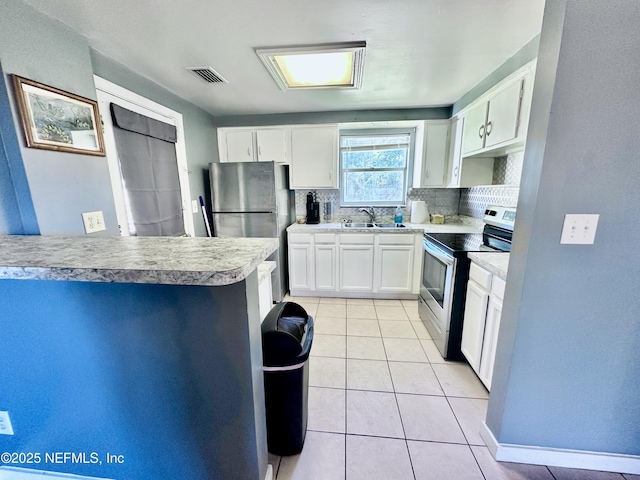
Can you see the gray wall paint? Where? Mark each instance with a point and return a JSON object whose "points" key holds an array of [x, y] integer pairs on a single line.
{"points": [[200, 130], [335, 117], [522, 57], [10, 218], [61, 185], [568, 359]]}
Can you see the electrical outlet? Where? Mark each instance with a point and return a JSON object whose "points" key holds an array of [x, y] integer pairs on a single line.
{"points": [[93, 221], [5, 424], [579, 229], [194, 206]]}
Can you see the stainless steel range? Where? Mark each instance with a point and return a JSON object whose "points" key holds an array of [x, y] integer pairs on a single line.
{"points": [[445, 272]]}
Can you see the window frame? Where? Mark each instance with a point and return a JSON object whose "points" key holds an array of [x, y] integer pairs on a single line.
{"points": [[408, 169]]}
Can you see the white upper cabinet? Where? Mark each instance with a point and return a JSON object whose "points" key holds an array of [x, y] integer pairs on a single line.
{"points": [[500, 117], [238, 146], [272, 145], [314, 157], [251, 145], [434, 158]]}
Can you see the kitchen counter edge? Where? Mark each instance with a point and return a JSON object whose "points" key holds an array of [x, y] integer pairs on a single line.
{"points": [[149, 260], [495, 262]]}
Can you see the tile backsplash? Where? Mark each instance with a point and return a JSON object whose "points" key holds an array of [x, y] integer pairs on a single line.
{"points": [[506, 178], [439, 200]]}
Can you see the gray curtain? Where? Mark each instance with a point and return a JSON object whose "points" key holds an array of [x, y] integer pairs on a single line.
{"points": [[147, 153]]}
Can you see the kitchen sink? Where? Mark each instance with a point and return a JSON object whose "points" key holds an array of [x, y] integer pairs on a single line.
{"points": [[358, 225], [390, 225], [373, 225]]}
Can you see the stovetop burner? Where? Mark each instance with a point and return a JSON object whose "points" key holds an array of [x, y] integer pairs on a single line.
{"points": [[457, 243]]}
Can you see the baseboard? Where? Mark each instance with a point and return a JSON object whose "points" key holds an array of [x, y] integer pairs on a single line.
{"points": [[560, 457], [336, 294], [269, 475]]}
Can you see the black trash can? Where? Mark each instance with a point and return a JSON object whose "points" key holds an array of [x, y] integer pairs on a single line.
{"points": [[287, 335]]}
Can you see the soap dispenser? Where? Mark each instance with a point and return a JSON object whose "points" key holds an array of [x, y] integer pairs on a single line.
{"points": [[397, 218]]}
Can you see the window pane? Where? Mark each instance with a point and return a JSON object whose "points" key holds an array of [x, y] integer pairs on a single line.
{"points": [[367, 187], [359, 141], [395, 158]]}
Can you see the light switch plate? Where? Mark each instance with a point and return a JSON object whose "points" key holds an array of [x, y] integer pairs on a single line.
{"points": [[194, 206], [5, 424], [579, 229], [93, 221]]}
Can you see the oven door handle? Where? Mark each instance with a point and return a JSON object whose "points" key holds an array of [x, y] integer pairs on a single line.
{"points": [[437, 253]]}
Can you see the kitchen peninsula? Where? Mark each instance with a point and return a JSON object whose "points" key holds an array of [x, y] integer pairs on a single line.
{"points": [[145, 348]]}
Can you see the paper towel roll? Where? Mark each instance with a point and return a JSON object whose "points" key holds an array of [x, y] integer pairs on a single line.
{"points": [[419, 213]]}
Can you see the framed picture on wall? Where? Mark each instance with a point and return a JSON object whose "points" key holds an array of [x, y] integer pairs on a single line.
{"points": [[53, 119]]}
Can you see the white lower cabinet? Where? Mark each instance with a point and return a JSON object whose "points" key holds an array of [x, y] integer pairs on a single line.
{"points": [[394, 263], [492, 326], [301, 269], [325, 261], [373, 264], [483, 309]]}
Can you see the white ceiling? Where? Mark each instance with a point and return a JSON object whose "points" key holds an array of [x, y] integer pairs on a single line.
{"points": [[420, 53]]}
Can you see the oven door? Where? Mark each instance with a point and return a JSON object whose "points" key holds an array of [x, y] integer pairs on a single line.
{"points": [[436, 286]]}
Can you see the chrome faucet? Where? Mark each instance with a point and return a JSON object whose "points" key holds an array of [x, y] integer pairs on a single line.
{"points": [[371, 212]]}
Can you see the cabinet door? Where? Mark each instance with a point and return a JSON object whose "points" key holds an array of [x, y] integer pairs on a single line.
{"points": [[455, 152], [394, 268], [475, 313], [300, 267], [271, 145], [325, 266], [239, 146], [502, 121], [356, 268], [474, 129], [436, 142], [314, 157], [494, 313]]}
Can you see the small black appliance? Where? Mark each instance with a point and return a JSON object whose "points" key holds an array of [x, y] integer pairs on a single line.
{"points": [[313, 209]]}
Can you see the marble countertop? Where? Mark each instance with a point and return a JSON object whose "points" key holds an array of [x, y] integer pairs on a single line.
{"points": [[410, 228], [160, 260], [265, 269], [496, 262]]}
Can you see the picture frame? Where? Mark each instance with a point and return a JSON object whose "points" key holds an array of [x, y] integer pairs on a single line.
{"points": [[53, 119]]}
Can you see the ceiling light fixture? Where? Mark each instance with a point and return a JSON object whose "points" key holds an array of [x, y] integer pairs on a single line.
{"points": [[338, 65]]}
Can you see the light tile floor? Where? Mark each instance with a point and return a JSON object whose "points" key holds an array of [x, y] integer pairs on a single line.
{"points": [[383, 404]]}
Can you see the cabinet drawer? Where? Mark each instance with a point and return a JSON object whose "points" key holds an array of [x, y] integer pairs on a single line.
{"points": [[325, 237], [480, 276], [299, 238], [497, 287], [356, 239], [395, 239]]}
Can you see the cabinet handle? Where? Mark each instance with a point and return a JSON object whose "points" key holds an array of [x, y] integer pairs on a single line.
{"points": [[489, 125], [481, 131], [455, 172], [427, 174], [259, 150], [249, 151]]}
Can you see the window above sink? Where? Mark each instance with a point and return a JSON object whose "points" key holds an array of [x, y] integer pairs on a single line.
{"points": [[375, 166]]}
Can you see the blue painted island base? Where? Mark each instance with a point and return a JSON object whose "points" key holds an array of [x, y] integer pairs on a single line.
{"points": [[152, 382]]}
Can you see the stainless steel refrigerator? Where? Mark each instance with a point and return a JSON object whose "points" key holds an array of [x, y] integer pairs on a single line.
{"points": [[252, 199]]}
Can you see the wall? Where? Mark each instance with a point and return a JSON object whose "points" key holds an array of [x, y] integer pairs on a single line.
{"points": [[335, 117], [57, 187], [52, 189], [10, 218], [568, 358], [521, 58], [200, 131]]}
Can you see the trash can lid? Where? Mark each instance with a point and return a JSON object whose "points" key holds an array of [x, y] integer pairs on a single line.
{"points": [[285, 334]]}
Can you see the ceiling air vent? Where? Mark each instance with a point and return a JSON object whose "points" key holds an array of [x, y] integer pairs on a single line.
{"points": [[207, 74]]}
